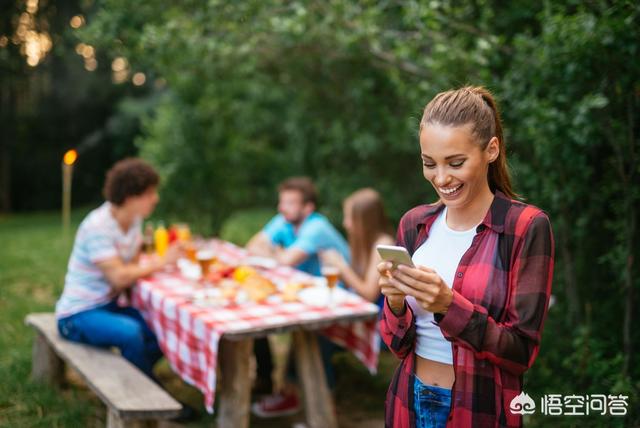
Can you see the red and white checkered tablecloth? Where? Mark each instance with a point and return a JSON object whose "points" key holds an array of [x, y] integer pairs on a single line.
{"points": [[189, 334]]}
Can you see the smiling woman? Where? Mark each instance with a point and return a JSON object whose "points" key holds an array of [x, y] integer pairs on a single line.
{"points": [[466, 321]]}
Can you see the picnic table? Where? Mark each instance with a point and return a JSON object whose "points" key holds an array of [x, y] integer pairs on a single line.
{"points": [[196, 338]]}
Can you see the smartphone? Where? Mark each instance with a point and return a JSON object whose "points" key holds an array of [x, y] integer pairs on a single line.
{"points": [[394, 254]]}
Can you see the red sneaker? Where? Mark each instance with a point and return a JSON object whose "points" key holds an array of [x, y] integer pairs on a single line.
{"points": [[276, 405]]}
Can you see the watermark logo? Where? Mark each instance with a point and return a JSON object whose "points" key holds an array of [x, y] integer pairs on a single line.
{"points": [[571, 405], [522, 404]]}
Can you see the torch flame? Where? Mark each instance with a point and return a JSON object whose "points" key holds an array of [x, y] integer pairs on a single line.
{"points": [[70, 157]]}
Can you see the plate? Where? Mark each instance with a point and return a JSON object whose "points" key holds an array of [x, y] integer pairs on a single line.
{"points": [[189, 270], [322, 297], [263, 262]]}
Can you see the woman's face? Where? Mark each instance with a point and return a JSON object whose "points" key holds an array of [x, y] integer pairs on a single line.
{"points": [[454, 163]]}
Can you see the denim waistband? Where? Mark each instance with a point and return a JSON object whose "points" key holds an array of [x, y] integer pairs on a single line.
{"points": [[437, 390]]}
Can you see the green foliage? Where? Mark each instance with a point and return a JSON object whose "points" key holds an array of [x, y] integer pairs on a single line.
{"points": [[242, 225], [30, 242], [264, 90], [260, 90]]}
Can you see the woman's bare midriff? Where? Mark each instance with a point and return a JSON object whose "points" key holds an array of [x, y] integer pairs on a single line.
{"points": [[434, 373]]}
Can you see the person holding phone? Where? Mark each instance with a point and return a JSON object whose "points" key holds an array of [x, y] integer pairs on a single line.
{"points": [[367, 225], [466, 321]]}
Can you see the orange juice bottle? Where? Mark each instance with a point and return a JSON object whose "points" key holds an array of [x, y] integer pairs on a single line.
{"points": [[161, 238], [184, 233]]}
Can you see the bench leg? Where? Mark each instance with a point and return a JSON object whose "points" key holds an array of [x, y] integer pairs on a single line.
{"points": [[115, 421], [47, 366], [235, 388], [318, 402]]}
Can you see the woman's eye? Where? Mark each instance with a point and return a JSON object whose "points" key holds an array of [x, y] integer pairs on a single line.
{"points": [[456, 164], [429, 165]]}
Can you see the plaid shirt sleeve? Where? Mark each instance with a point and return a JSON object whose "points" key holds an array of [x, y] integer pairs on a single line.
{"points": [[398, 331], [512, 344]]}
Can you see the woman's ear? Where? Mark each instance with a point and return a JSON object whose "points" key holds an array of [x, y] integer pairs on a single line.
{"points": [[493, 149]]}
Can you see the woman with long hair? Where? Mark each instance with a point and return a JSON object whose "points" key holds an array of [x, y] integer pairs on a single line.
{"points": [[367, 225], [466, 321]]}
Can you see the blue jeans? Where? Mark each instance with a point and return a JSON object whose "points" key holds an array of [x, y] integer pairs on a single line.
{"points": [[111, 325], [431, 404]]}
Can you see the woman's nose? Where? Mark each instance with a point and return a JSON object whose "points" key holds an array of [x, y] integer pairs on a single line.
{"points": [[442, 178]]}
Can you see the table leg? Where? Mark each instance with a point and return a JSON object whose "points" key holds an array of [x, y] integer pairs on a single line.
{"points": [[235, 388], [318, 402]]}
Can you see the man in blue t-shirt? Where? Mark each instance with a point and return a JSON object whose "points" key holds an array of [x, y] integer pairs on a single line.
{"points": [[294, 237], [298, 233]]}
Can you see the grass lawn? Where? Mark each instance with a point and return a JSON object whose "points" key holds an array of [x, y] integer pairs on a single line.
{"points": [[33, 258]]}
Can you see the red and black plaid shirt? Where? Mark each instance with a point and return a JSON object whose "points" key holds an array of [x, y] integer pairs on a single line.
{"points": [[501, 294]]}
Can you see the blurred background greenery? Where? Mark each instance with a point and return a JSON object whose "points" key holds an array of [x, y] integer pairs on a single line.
{"points": [[228, 98]]}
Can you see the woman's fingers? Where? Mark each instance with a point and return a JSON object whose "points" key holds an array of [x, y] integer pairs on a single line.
{"points": [[405, 289], [416, 279], [387, 288], [421, 274], [392, 292], [384, 267]]}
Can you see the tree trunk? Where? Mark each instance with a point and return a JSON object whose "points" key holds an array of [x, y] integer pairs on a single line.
{"points": [[6, 135]]}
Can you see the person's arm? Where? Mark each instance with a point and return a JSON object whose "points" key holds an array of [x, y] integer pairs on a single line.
{"points": [[511, 344], [291, 256], [260, 244], [514, 343], [121, 275], [311, 239], [367, 287], [397, 324]]}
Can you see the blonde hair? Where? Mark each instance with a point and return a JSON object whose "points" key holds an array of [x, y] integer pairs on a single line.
{"points": [[475, 106]]}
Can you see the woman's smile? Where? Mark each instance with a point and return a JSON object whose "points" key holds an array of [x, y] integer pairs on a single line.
{"points": [[450, 192]]}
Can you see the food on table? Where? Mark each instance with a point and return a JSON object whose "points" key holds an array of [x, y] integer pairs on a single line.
{"points": [[236, 285], [243, 272], [218, 271], [290, 291], [258, 295], [258, 288], [229, 292]]}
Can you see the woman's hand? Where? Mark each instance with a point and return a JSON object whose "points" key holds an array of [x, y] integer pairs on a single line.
{"points": [[425, 285], [394, 296]]}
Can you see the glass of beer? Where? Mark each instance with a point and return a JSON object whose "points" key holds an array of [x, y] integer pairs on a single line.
{"points": [[205, 258], [184, 232], [331, 274], [190, 250]]}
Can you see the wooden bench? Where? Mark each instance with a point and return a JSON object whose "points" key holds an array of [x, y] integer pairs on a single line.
{"points": [[132, 399]]}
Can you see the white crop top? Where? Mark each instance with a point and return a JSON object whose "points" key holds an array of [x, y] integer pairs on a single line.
{"points": [[442, 252]]}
